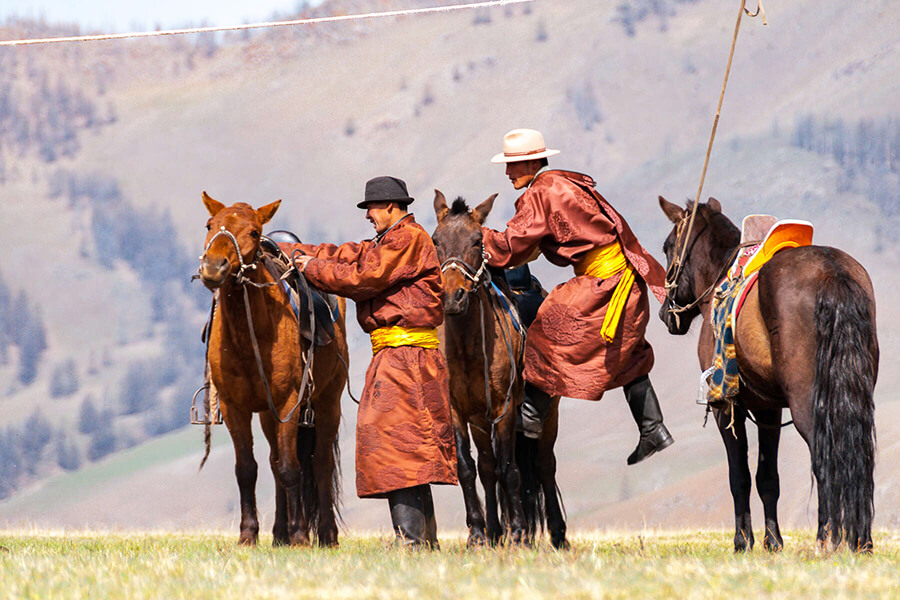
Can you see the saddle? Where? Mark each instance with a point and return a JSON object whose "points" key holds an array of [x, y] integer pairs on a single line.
{"points": [[325, 306], [525, 290], [762, 236]]}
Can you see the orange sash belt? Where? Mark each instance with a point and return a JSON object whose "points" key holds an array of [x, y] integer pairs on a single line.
{"points": [[605, 262], [392, 337]]}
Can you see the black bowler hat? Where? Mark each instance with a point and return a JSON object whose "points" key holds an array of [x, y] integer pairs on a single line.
{"points": [[386, 189]]}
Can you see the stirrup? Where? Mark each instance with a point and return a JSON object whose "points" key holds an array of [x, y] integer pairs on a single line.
{"points": [[195, 415], [308, 417]]}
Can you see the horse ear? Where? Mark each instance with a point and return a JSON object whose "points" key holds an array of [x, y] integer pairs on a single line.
{"points": [[268, 211], [673, 211], [714, 204], [440, 205], [213, 206], [482, 210]]}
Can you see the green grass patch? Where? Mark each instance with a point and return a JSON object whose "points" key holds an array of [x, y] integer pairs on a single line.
{"points": [[607, 565]]}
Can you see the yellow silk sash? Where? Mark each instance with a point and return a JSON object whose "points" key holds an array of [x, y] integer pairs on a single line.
{"points": [[603, 263], [391, 337]]}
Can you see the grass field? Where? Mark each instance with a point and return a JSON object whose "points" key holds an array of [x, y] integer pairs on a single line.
{"points": [[603, 565]]}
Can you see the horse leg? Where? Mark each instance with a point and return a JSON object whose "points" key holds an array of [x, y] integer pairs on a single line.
{"points": [[328, 419], [466, 473], [508, 475], [290, 476], [556, 522], [279, 529], [487, 472], [735, 439], [767, 481], [245, 470]]}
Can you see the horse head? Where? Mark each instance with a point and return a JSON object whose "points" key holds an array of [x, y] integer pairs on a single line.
{"points": [[705, 248], [460, 249], [232, 241]]}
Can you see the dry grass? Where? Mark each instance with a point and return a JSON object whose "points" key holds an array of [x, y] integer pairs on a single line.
{"points": [[600, 565]]}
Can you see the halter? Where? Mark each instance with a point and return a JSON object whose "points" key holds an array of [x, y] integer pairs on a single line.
{"points": [[239, 276], [675, 269], [469, 272]]}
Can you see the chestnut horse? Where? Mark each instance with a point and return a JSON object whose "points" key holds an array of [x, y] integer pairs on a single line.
{"points": [[481, 343], [805, 340], [256, 359]]}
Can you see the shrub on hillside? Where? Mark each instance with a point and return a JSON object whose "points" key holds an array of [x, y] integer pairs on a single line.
{"points": [[68, 455], [87, 417], [103, 439], [64, 379], [10, 461], [36, 435]]}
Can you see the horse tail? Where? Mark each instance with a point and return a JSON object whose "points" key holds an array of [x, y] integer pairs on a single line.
{"points": [[531, 491], [844, 410], [207, 440], [309, 489]]}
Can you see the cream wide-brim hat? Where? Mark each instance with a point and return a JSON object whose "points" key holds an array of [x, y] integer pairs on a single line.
{"points": [[523, 144]]}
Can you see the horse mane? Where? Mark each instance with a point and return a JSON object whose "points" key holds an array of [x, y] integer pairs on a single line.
{"points": [[459, 207]]}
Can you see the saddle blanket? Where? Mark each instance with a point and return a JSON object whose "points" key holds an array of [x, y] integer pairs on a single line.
{"points": [[723, 379]]}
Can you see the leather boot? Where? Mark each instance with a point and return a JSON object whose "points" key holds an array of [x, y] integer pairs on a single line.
{"points": [[408, 516], [533, 411], [430, 519], [648, 416]]}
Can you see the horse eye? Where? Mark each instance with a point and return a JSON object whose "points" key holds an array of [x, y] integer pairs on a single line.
{"points": [[208, 226], [254, 234]]}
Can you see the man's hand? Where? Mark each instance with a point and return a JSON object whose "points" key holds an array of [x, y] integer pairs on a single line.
{"points": [[301, 261]]}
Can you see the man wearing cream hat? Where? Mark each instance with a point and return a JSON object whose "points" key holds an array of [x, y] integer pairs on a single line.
{"points": [[588, 336]]}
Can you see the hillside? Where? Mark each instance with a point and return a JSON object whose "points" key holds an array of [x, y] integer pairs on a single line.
{"points": [[309, 115]]}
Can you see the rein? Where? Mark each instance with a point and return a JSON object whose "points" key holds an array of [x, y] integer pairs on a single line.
{"points": [[308, 415]]}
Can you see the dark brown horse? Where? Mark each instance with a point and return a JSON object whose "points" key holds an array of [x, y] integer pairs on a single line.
{"points": [[806, 341], [254, 325], [481, 343]]}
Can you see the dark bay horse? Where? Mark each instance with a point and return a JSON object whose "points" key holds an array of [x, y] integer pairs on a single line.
{"points": [[805, 340], [253, 312], [484, 357]]}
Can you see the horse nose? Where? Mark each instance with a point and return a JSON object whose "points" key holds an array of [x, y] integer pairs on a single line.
{"points": [[458, 296], [213, 269]]}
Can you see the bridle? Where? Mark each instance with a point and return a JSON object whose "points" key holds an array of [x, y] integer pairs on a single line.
{"points": [[308, 415], [675, 270], [469, 272]]}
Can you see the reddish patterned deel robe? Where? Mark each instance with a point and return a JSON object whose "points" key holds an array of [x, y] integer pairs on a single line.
{"points": [[562, 214], [404, 435]]}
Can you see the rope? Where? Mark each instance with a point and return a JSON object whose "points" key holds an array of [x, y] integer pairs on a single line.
{"points": [[308, 21], [681, 252]]}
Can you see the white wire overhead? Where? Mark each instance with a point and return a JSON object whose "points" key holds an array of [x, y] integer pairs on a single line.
{"points": [[309, 21]]}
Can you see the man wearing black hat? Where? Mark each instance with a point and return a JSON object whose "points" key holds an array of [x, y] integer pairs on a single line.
{"points": [[404, 436]]}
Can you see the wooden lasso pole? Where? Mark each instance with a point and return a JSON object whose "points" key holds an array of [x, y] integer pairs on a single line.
{"points": [[683, 242]]}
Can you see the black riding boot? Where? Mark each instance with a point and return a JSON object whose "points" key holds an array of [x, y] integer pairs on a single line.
{"points": [[533, 411], [648, 416], [430, 519], [408, 516]]}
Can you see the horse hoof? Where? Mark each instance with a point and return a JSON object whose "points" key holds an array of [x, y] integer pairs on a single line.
{"points": [[279, 540], [301, 538], [328, 539], [518, 538], [773, 544], [561, 544], [477, 539], [742, 544], [248, 539]]}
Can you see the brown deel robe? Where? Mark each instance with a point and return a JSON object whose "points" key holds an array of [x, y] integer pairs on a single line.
{"points": [[564, 216], [404, 436]]}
